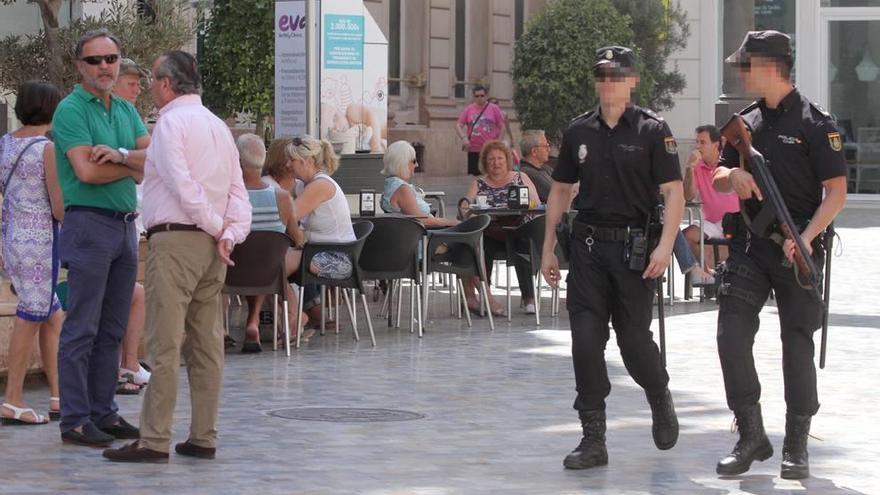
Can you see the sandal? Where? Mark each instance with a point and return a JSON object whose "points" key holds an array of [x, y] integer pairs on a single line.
{"points": [[18, 412], [54, 414], [126, 385]]}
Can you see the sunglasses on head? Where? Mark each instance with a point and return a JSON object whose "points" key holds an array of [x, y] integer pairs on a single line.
{"points": [[297, 141], [97, 59]]}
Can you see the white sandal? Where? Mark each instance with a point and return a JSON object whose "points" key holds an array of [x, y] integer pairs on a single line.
{"points": [[141, 377], [16, 420]]}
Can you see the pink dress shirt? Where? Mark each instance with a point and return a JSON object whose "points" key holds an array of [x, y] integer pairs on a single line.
{"points": [[192, 174], [715, 204]]}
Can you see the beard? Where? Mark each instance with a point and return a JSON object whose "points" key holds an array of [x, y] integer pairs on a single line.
{"points": [[100, 82]]}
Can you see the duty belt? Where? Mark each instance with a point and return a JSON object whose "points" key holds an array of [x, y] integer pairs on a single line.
{"points": [[582, 232]]}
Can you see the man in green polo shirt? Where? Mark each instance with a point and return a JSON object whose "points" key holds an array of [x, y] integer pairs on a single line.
{"points": [[100, 147]]}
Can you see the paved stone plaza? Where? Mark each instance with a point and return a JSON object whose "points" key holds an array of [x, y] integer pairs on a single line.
{"points": [[495, 412]]}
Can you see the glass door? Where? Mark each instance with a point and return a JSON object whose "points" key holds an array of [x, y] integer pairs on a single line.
{"points": [[851, 77]]}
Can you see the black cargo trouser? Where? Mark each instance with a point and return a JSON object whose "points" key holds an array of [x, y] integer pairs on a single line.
{"points": [[753, 268], [601, 287]]}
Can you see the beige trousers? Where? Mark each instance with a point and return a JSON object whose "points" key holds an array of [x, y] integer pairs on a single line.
{"points": [[183, 279]]}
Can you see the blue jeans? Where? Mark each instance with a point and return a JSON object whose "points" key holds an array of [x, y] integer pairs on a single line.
{"points": [[683, 254], [101, 256]]}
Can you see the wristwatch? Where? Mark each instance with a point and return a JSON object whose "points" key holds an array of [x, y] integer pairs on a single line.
{"points": [[124, 153]]}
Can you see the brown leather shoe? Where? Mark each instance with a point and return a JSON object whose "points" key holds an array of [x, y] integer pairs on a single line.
{"points": [[134, 453], [193, 450]]}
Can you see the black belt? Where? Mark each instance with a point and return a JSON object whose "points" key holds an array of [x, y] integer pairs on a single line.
{"points": [[125, 216], [581, 231], [170, 227]]}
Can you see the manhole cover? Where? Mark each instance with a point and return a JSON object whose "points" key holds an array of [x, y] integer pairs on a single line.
{"points": [[345, 415]]}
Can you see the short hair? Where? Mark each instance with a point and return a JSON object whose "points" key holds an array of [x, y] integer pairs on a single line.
{"points": [[36, 101], [251, 151], [530, 139], [305, 146], [491, 146], [397, 159], [480, 87], [711, 130], [128, 67], [182, 70], [276, 159], [93, 35]]}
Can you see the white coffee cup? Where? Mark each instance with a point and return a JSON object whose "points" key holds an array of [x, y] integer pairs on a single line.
{"points": [[482, 201]]}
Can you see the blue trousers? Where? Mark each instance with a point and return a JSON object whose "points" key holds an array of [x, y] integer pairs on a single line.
{"points": [[100, 254], [683, 254]]}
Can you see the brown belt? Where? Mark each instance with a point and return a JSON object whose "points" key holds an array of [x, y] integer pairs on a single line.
{"points": [[171, 227]]}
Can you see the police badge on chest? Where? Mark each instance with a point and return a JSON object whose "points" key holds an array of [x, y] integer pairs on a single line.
{"points": [[582, 153]]}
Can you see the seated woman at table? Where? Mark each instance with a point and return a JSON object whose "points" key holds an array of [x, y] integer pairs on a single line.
{"points": [[273, 210], [321, 207], [496, 165], [399, 195], [278, 173]]}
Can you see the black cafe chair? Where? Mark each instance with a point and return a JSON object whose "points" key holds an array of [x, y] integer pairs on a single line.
{"points": [[405, 236], [259, 269], [463, 257], [304, 276]]}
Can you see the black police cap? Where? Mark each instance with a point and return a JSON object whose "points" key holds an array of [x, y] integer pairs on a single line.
{"points": [[772, 44], [615, 57]]}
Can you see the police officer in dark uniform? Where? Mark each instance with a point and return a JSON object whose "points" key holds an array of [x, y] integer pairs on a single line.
{"points": [[803, 147], [623, 156]]}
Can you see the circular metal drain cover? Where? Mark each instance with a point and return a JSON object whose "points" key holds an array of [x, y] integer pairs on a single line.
{"points": [[345, 415]]}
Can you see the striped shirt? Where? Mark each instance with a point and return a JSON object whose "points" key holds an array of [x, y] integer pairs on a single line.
{"points": [[265, 215]]}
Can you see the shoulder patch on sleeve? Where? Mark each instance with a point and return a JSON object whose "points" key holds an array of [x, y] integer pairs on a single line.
{"points": [[835, 141], [671, 145]]}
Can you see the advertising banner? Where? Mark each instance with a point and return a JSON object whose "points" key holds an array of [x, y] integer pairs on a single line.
{"points": [[291, 99]]}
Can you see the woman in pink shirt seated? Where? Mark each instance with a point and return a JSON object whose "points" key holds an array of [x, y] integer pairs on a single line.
{"points": [[698, 179]]}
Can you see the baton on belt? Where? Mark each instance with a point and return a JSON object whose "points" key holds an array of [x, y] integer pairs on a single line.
{"points": [[660, 317]]}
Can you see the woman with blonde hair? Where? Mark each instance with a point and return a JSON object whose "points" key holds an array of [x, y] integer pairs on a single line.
{"points": [[321, 207]]}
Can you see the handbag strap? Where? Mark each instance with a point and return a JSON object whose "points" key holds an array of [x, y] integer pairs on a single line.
{"points": [[5, 183], [477, 121]]}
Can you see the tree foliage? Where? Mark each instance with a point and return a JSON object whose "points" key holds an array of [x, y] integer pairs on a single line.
{"points": [[238, 58], [552, 64], [143, 39]]}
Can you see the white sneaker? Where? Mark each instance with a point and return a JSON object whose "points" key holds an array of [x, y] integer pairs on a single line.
{"points": [[141, 376], [530, 308]]}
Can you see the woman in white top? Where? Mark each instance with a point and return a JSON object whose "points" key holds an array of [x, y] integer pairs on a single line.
{"points": [[320, 203]]}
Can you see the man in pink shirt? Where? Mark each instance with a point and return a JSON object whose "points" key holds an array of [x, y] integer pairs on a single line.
{"points": [[195, 210], [698, 179], [480, 121]]}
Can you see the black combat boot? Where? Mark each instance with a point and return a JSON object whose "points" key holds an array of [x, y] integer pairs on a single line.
{"points": [[591, 451], [665, 427], [753, 443], [795, 460]]}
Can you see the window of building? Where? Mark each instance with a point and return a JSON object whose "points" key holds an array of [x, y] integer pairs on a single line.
{"points": [[741, 17], [394, 47], [460, 44], [518, 18]]}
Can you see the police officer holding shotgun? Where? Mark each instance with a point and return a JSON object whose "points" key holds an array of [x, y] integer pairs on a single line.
{"points": [[622, 155], [803, 148]]}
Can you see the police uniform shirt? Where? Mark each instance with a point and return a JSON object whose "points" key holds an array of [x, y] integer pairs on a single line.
{"points": [[619, 169], [802, 145]]}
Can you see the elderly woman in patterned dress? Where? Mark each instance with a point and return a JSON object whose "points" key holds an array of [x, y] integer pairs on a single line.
{"points": [[32, 209]]}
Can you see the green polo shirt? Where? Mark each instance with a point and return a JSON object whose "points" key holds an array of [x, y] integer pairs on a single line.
{"points": [[81, 119]]}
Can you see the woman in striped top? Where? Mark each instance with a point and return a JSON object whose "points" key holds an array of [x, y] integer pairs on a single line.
{"points": [[273, 210]]}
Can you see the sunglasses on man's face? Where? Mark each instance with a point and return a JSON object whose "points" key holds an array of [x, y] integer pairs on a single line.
{"points": [[97, 59], [479, 96]]}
